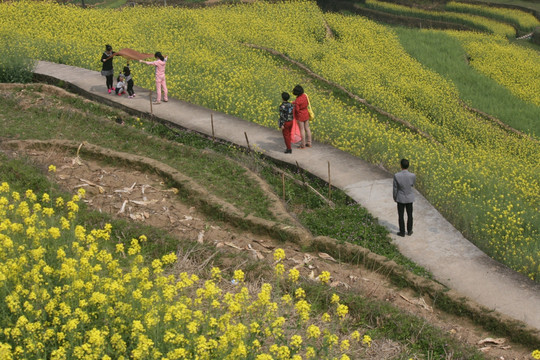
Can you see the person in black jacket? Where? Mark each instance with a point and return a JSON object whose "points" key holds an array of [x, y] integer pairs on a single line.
{"points": [[129, 81], [285, 121], [107, 67]]}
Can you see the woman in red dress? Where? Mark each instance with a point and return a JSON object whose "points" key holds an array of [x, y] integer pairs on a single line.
{"points": [[301, 114]]}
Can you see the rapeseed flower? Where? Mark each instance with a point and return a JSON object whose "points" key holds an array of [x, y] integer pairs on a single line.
{"points": [[294, 274], [324, 277], [313, 332], [239, 275], [279, 254], [279, 269], [342, 311], [366, 340]]}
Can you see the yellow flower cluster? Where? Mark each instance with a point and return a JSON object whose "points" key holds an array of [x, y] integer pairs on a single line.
{"points": [[68, 297], [488, 24], [324, 277], [511, 65], [524, 20], [482, 178]]}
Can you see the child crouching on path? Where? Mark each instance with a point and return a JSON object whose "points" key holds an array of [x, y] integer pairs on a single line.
{"points": [[120, 85], [286, 120]]}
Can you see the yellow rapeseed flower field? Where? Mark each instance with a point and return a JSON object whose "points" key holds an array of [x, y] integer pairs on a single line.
{"points": [[486, 23], [68, 294], [482, 178], [510, 65], [524, 20]]}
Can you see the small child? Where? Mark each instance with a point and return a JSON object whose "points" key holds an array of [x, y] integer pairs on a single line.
{"points": [[286, 120], [120, 85], [129, 81]]}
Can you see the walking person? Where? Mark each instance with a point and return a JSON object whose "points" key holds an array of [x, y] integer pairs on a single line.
{"points": [[404, 197], [301, 114], [107, 67], [160, 64], [285, 122]]}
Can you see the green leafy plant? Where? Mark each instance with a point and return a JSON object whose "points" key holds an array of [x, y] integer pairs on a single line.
{"points": [[15, 64]]}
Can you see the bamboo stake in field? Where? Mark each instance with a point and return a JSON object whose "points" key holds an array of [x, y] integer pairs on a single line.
{"points": [[305, 185], [247, 140], [301, 174], [329, 183], [150, 96], [212, 122], [283, 184]]}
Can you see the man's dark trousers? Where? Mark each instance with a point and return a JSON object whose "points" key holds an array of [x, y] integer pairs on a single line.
{"points": [[400, 208]]}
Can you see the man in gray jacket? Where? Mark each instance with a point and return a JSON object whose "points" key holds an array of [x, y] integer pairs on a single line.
{"points": [[404, 196]]}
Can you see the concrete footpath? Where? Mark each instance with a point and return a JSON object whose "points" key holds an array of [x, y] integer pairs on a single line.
{"points": [[436, 244]]}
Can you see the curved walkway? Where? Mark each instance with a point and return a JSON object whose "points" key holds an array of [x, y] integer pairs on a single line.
{"points": [[435, 244]]}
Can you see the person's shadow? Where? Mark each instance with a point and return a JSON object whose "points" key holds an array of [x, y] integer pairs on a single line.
{"points": [[273, 143]]}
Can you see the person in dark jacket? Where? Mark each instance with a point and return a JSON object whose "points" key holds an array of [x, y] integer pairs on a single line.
{"points": [[129, 81], [285, 122], [107, 69]]}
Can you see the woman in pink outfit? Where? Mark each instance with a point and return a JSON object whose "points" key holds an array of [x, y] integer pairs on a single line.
{"points": [[160, 76]]}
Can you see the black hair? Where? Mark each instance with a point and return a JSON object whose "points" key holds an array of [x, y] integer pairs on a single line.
{"points": [[127, 72], [158, 55], [285, 96], [108, 47], [404, 163], [298, 90]]}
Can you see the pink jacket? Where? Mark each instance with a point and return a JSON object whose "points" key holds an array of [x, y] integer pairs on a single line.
{"points": [[160, 66]]}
